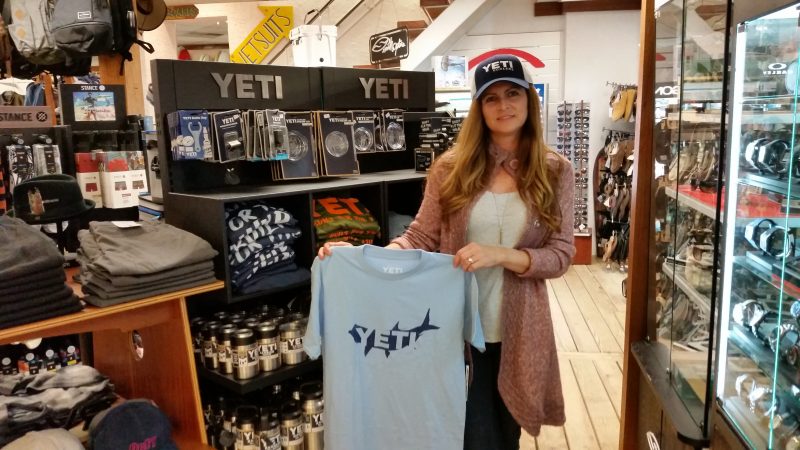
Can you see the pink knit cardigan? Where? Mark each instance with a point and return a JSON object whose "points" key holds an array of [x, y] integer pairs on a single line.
{"points": [[529, 380]]}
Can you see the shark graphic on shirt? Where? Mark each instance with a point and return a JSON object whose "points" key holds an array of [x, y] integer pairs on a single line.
{"points": [[392, 340]]}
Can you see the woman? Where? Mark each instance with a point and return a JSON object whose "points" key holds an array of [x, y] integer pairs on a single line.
{"points": [[502, 203]]}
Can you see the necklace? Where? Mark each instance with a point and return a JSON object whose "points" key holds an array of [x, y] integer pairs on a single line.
{"points": [[500, 216]]}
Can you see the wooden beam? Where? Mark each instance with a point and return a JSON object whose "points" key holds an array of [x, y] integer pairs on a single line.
{"points": [[134, 91], [640, 259], [541, 9]]}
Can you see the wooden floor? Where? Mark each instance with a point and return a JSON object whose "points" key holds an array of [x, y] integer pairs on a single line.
{"points": [[588, 312]]}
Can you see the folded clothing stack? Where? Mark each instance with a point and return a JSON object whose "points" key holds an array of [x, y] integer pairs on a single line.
{"points": [[61, 398], [31, 276], [260, 252], [130, 261], [344, 219]]}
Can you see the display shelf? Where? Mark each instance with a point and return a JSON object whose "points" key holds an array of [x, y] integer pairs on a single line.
{"points": [[764, 359], [703, 202], [789, 290], [236, 298], [683, 284], [768, 117], [245, 193], [712, 117], [166, 373], [261, 380], [770, 183], [751, 206], [94, 318]]}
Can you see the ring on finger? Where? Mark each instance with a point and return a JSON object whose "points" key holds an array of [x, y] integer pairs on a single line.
{"points": [[470, 260]]}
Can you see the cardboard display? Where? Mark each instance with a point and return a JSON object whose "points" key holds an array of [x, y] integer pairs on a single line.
{"points": [[88, 176], [190, 135], [228, 135], [335, 143], [364, 131], [392, 132], [302, 148]]}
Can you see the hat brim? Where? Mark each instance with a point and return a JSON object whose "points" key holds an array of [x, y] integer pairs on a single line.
{"points": [[149, 22], [87, 205], [517, 81]]}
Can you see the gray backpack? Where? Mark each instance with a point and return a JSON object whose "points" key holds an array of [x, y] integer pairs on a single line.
{"points": [[27, 22], [83, 27]]}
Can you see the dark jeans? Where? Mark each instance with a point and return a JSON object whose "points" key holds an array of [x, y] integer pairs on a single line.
{"points": [[489, 425]]}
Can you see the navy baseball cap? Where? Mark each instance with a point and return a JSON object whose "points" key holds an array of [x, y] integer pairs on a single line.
{"points": [[131, 424], [499, 68]]}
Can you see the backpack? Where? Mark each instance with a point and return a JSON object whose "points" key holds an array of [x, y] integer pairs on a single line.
{"points": [[125, 32], [83, 27], [27, 22]]}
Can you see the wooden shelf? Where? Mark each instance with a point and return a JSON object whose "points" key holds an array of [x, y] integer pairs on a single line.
{"points": [[166, 374], [261, 380], [93, 318]]}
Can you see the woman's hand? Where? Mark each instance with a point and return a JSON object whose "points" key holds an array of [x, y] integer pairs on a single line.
{"points": [[325, 250], [474, 256]]}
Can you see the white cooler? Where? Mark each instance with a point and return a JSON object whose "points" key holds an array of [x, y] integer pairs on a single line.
{"points": [[313, 45]]}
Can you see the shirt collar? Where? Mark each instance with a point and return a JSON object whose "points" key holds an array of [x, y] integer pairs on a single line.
{"points": [[506, 160]]}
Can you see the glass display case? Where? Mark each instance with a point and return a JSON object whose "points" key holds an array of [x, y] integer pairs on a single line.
{"points": [[758, 382], [690, 43]]}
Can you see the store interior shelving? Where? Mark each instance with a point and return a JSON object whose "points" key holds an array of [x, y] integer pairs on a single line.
{"points": [[260, 381]]}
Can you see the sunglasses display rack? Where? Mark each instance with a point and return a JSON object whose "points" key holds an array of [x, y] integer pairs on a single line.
{"points": [[572, 142]]}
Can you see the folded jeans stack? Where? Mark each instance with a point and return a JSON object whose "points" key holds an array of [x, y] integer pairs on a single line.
{"points": [[125, 263], [261, 256], [31, 276], [60, 398]]}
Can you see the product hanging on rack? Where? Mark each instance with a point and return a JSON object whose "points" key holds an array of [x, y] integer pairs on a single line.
{"points": [[572, 142], [622, 105], [613, 195]]}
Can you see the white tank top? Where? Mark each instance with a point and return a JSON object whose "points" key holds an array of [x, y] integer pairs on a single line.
{"points": [[496, 220]]}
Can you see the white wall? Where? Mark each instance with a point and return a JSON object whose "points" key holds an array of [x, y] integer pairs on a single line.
{"points": [[601, 47]]}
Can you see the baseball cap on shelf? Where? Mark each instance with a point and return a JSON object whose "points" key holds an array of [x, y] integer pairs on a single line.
{"points": [[131, 424], [499, 68]]}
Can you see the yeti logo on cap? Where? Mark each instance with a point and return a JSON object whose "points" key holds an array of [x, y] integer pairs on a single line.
{"points": [[498, 66]]}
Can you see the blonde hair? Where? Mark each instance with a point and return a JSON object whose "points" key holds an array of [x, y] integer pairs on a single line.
{"points": [[469, 171]]}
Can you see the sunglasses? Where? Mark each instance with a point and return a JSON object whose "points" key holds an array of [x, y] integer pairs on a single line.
{"points": [[565, 126], [582, 140], [563, 119], [562, 112], [563, 146], [563, 138], [583, 125], [582, 111], [582, 146], [581, 179], [583, 170], [581, 118]]}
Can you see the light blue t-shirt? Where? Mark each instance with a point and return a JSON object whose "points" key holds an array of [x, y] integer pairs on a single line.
{"points": [[391, 325]]}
